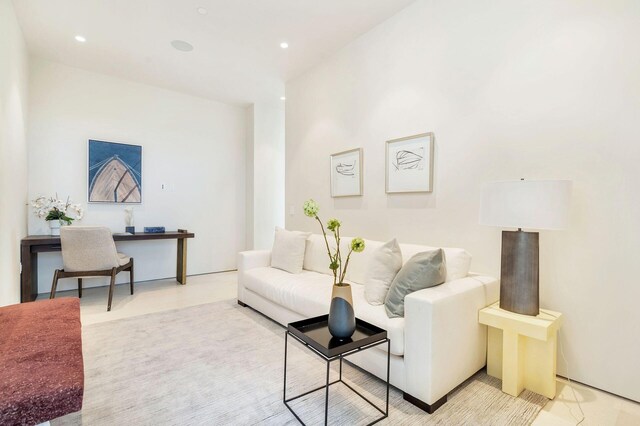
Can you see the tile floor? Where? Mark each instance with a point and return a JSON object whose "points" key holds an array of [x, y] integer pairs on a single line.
{"points": [[152, 296], [600, 408]]}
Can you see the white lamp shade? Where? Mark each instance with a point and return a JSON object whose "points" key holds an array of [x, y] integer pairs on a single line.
{"points": [[530, 204]]}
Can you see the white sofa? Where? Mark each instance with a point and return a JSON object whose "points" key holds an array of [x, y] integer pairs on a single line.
{"points": [[434, 348]]}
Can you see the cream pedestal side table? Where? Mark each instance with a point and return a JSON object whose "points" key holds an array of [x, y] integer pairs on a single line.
{"points": [[521, 349]]}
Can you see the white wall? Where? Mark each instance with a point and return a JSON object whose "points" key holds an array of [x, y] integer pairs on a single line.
{"points": [[544, 89], [193, 145], [265, 178], [13, 151], [249, 156]]}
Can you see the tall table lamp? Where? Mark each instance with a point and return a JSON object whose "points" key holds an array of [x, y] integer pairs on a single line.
{"points": [[529, 204]]}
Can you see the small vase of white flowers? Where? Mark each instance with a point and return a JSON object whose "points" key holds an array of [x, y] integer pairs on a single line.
{"points": [[342, 320], [55, 212]]}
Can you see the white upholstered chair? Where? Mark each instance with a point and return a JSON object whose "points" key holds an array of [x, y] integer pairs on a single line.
{"points": [[89, 252]]}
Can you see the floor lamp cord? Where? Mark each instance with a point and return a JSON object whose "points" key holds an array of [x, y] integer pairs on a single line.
{"points": [[570, 383]]}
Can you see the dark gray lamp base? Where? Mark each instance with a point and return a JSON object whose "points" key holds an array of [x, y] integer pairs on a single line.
{"points": [[519, 280]]}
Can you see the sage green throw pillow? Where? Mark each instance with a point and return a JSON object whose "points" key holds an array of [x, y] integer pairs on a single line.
{"points": [[424, 270]]}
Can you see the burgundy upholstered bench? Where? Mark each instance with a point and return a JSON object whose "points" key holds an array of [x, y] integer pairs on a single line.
{"points": [[41, 368]]}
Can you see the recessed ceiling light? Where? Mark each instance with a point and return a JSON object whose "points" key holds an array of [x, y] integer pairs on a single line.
{"points": [[182, 45], [202, 11], [282, 98], [284, 45], [80, 39]]}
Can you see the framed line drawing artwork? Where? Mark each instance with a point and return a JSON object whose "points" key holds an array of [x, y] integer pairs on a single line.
{"points": [[114, 173], [346, 173], [409, 164]]}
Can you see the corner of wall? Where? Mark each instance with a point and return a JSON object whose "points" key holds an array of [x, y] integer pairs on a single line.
{"points": [[14, 77], [249, 158]]}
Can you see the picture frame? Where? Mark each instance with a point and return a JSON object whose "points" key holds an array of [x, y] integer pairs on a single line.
{"points": [[409, 164], [346, 173], [114, 173]]}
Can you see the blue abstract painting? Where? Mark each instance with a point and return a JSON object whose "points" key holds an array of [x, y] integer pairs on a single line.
{"points": [[115, 173]]}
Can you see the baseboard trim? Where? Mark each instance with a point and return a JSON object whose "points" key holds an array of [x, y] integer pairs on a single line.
{"points": [[429, 408], [45, 295]]}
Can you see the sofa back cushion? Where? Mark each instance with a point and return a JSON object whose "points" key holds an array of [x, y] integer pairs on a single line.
{"points": [[316, 258], [315, 255]]}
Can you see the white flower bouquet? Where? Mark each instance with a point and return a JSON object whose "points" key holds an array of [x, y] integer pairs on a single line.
{"points": [[52, 208]]}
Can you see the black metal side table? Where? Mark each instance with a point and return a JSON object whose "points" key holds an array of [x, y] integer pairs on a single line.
{"points": [[314, 334]]}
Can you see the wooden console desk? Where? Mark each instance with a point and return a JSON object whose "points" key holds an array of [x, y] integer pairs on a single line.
{"points": [[31, 245]]}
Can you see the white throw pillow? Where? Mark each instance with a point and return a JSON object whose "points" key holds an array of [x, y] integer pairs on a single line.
{"points": [[385, 263], [288, 250]]}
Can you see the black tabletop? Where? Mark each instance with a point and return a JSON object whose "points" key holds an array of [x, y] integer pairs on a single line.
{"points": [[315, 333], [34, 240]]}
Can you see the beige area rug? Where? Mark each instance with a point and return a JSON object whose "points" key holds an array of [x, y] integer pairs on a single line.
{"points": [[221, 364]]}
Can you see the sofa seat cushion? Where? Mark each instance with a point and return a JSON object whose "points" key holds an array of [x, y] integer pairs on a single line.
{"points": [[309, 294]]}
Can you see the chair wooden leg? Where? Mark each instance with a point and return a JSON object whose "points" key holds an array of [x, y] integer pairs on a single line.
{"points": [[113, 283], [131, 277], [80, 287], [54, 284]]}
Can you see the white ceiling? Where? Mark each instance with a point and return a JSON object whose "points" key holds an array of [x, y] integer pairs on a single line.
{"points": [[237, 56]]}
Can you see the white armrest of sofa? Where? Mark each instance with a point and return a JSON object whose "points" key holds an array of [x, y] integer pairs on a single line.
{"points": [[253, 259], [444, 343], [249, 260]]}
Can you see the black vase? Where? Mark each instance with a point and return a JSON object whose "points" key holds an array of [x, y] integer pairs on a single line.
{"points": [[342, 319]]}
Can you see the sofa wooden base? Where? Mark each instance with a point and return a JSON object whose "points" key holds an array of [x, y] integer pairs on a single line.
{"points": [[429, 408], [244, 305]]}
